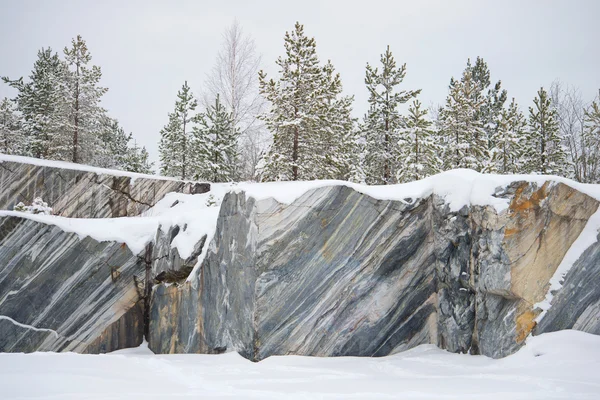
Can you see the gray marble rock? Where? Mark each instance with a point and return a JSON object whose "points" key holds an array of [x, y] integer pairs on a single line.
{"points": [[62, 293], [335, 273], [577, 304], [82, 194], [338, 273]]}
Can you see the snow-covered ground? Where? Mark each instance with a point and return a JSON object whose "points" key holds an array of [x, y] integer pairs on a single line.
{"points": [[560, 365]]}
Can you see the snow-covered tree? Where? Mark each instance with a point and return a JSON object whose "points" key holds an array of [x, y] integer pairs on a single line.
{"points": [[174, 148], [591, 142], [470, 120], [509, 155], [493, 98], [38, 206], [546, 153], [308, 116], [12, 140], [113, 141], [233, 78], [118, 150], [383, 122], [336, 132], [80, 97], [42, 118], [466, 144], [137, 160], [418, 148], [215, 139]]}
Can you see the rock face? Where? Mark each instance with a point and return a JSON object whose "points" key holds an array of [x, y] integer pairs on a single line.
{"points": [[577, 306], [334, 273], [60, 293], [338, 273], [85, 194]]}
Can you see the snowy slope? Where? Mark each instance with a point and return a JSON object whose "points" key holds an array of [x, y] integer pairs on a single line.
{"points": [[560, 365]]}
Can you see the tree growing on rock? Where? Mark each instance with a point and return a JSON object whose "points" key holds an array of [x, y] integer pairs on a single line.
{"points": [[591, 142], [383, 123], [214, 140], [419, 149], [464, 135], [233, 79], [175, 150], [12, 140], [546, 154], [38, 100], [509, 154], [308, 116], [81, 96]]}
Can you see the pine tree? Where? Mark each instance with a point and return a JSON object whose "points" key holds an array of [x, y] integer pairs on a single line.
{"points": [[419, 150], [308, 116], [546, 151], [337, 136], [43, 120], [174, 148], [113, 147], [509, 153], [383, 122], [81, 96], [465, 137], [591, 142], [470, 120], [12, 140], [215, 145], [137, 160]]}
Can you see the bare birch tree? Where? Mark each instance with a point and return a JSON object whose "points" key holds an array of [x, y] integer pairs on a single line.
{"points": [[234, 78], [571, 110]]}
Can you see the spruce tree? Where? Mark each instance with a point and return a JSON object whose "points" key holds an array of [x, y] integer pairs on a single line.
{"points": [[113, 144], [137, 160], [174, 147], [12, 140], [470, 120], [81, 96], [337, 152], [308, 115], [384, 122], [591, 143], [509, 155], [419, 149], [43, 119], [547, 155], [215, 145], [465, 137]]}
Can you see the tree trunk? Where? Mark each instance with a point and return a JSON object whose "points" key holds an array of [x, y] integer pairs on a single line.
{"points": [[183, 159], [295, 150], [76, 133]]}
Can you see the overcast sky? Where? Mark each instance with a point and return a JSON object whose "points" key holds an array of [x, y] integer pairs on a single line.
{"points": [[147, 49]]}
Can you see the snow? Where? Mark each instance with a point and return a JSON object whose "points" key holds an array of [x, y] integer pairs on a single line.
{"points": [[79, 167], [459, 187], [136, 232], [559, 365]]}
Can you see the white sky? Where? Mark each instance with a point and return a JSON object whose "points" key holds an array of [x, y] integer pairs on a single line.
{"points": [[148, 48]]}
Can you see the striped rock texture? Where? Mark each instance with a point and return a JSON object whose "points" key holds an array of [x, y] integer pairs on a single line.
{"points": [[338, 273], [61, 293], [85, 194], [335, 273]]}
